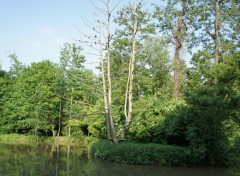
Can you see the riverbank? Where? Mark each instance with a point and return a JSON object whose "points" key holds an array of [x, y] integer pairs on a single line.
{"points": [[127, 152], [30, 139]]}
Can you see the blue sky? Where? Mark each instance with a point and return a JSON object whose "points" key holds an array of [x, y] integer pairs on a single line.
{"points": [[36, 29]]}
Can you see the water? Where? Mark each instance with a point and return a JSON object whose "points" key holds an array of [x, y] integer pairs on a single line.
{"points": [[53, 160]]}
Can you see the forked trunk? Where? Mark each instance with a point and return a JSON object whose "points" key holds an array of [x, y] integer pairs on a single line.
{"points": [[129, 87]]}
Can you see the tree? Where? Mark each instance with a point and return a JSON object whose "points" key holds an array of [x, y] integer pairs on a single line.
{"points": [[79, 87], [17, 67], [172, 22], [135, 27], [4, 92], [153, 69], [213, 99], [33, 105], [71, 61], [8, 80], [104, 20], [104, 85], [214, 26], [109, 101]]}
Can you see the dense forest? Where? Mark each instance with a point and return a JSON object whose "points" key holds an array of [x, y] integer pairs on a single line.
{"points": [[145, 89]]}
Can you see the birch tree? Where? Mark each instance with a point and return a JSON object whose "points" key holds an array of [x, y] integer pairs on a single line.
{"points": [[134, 28]]}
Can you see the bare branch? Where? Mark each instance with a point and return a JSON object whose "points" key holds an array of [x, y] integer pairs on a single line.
{"points": [[98, 8], [115, 6], [76, 78], [79, 102]]}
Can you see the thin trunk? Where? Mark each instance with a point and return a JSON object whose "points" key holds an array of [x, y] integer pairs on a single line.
{"points": [[129, 87], [113, 133], [126, 93], [216, 30], [178, 48], [70, 114], [59, 117], [104, 85], [52, 129]]}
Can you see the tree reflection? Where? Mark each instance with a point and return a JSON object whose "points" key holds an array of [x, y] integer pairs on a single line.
{"points": [[44, 160]]}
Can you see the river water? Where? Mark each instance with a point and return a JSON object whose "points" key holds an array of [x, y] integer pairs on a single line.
{"points": [[54, 160]]}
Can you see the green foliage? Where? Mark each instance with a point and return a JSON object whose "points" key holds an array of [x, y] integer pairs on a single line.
{"points": [[150, 113], [208, 121], [202, 20], [78, 92], [172, 130], [234, 153], [132, 153], [4, 84], [17, 67], [212, 108], [33, 103]]}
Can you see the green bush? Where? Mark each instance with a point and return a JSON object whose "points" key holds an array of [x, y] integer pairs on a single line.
{"points": [[141, 154], [234, 154]]}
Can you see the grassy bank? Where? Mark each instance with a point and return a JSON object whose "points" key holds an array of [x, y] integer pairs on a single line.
{"points": [[29, 139], [141, 154]]}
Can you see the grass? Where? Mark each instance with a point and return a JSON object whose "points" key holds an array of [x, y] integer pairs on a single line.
{"points": [[30, 139]]}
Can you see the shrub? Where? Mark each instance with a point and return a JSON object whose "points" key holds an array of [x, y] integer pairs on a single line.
{"points": [[141, 154]]}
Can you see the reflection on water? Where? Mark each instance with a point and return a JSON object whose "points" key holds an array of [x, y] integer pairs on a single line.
{"points": [[54, 160]]}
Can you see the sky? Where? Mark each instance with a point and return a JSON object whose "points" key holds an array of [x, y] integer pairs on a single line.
{"points": [[37, 29]]}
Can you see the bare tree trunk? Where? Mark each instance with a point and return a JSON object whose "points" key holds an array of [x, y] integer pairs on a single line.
{"points": [[216, 30], [113, 132], [104, 85], [129, 87]]}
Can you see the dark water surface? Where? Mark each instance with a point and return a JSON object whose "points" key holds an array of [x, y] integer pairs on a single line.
{"points": [[53, 160]]}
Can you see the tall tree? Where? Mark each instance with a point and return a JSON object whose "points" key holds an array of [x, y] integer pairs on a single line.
{"points": [[172, 22], [214, 25], [33, 104], [113, 131], [129, 86], [134, 27], [79, 85], [104, 85], [212, 98]]}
